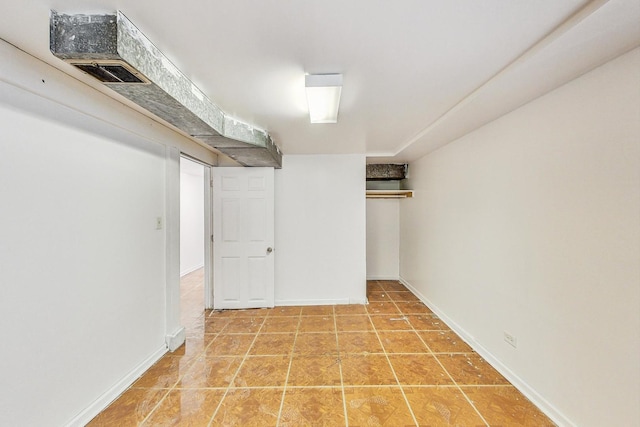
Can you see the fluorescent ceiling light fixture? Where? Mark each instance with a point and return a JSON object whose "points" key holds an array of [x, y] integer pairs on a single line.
{"points": [[323, 96]]}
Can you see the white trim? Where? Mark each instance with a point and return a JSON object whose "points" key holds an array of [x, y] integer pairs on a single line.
{"points": [[383, 278], [208, 242], [191, 270], [544, 405], [114, 392], [176, 339], [172, 240]]}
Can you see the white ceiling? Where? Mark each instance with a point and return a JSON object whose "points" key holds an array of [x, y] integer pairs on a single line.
{"points": [[417, 73]]}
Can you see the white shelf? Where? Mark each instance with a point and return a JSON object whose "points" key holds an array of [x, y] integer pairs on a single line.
{"points": [[389, 194]]}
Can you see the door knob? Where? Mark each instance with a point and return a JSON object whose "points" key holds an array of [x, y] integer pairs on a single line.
{"points": [[269, 249]]}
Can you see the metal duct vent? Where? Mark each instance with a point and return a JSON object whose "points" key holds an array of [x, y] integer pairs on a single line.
{"points": [[111, 72], [111, 49]]}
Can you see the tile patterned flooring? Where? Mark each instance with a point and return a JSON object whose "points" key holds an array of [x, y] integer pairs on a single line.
{"points": [[389, 363]]}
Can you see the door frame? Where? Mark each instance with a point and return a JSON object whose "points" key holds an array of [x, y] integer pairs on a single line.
{"points": [[208, 237], [208, 230]]}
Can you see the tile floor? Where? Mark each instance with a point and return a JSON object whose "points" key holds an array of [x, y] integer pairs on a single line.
{"points": [[390, 363]]}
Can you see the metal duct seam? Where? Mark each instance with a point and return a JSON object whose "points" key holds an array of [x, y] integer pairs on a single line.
{"points": [[113, 50]]}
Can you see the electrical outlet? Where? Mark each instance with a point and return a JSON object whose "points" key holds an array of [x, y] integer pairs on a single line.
{"points": [[510, 339]]}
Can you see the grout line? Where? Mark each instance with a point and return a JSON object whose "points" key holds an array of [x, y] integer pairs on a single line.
{"points": [[286, 380], [386, 355], [471, 403], [173, 387], [204, 349], [455, 384], [339, 356], [156, 406], [404, 316], [237, 371], [275, 387], [201, 355], [448, 374]]}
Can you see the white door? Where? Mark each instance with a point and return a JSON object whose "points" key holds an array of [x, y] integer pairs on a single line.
{"points": [[243, 223]]}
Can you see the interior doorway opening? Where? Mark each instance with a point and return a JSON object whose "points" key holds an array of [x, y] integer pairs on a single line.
{"points": [[195, 260]]}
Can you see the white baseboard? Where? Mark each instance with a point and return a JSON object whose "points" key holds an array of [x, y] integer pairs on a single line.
{"points": [[544, 405], [383, 278], [176, 339], [191, 270], [112, 394]]}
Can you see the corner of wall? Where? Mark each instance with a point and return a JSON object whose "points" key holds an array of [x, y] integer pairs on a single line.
{"points": [[112, 394], [544, 405]]}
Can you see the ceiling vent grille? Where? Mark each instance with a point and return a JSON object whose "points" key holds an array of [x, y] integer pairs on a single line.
{"points": [[111, 72]]}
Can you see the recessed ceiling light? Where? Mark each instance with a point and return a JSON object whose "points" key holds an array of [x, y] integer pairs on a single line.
{"points": [[323, 96]]}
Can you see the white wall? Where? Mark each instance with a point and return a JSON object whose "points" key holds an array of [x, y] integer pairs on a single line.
{"points": [[531, 225], [83, 269], [320, 230], [191, 216], [383, 239]]}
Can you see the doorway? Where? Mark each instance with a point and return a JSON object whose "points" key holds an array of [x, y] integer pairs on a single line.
{"points": [[195, 259]]}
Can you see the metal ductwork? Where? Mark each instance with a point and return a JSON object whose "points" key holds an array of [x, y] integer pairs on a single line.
{"points": [[111, 49], [387, 172]]}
